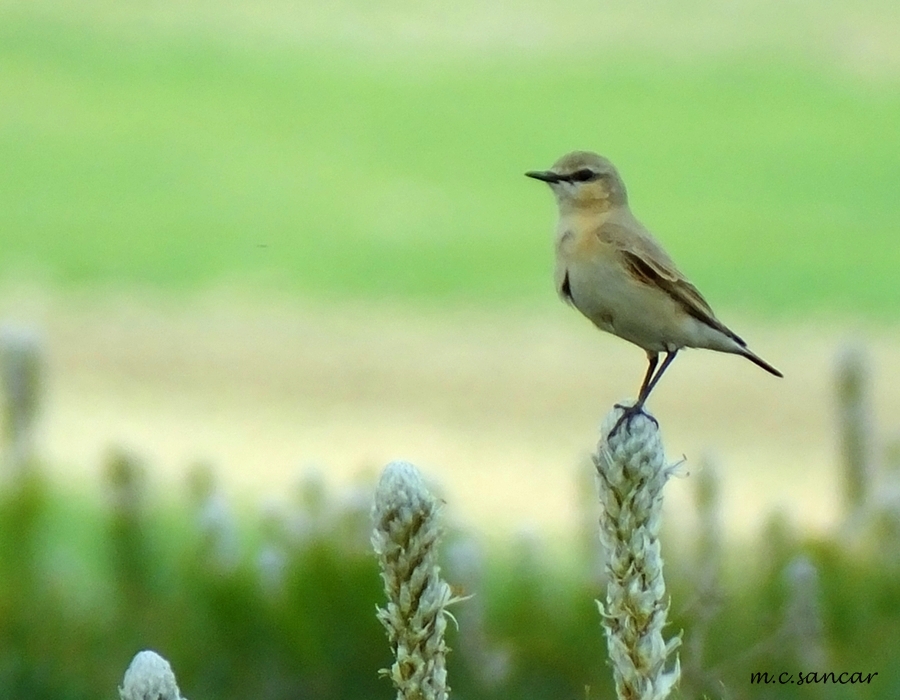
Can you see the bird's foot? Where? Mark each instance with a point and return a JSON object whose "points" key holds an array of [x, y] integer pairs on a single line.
{"points": [[628, 414]]}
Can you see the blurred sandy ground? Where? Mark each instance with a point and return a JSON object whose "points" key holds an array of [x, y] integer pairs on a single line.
{"points": [[500, 408]]}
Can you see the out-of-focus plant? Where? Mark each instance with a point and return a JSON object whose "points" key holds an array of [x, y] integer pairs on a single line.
{"points": [[489, 662], [854, 428], [21, 380], [215, 522], [130, 549], [707, 573], [803, 625]]}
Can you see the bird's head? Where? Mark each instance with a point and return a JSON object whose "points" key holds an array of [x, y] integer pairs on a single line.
{"points": [[584, 180]]}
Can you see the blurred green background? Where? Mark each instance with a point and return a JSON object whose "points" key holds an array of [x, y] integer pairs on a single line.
{"points": [[357, 153], [379, 151]]}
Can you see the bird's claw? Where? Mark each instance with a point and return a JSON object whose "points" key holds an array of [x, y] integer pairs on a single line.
{"points": [[628, 414]]}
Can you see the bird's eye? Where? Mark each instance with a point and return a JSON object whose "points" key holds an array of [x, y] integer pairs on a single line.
{"points": [[583, 175]]}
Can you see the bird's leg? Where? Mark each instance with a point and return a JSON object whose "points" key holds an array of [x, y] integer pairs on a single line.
{"points": [[628, 412], [646, 385], [650, 380], [665, 365]]}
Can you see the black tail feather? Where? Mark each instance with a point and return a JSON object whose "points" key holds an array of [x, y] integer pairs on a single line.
{"points": [[757, 360]]}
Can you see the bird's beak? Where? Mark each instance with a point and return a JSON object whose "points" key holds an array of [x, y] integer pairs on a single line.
{"points": [[545, 175]]}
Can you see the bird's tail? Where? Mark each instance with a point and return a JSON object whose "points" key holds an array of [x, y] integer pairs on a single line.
{"points": [[757, 360]]}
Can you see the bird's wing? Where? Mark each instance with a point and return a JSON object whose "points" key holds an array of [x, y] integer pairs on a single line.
{"points": [[648, 264]]}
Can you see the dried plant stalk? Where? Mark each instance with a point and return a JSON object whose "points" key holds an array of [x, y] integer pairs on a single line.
{"points": [[631, 472], [405, 539]]}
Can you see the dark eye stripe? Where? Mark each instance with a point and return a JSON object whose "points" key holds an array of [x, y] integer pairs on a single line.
{"points": [[583, 175]]}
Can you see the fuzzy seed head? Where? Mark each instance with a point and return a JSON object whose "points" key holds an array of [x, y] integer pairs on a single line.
{"points": [[631, 472], [149, 677], [405, 540]]}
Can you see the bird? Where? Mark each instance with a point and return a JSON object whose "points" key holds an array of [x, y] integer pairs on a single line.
{"points": [[611, 269]]}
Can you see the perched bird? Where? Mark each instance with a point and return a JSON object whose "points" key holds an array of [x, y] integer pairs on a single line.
{"points": [[610, 268]]}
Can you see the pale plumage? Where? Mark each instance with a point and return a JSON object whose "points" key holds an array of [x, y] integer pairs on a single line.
{"points": [[610, 268]]}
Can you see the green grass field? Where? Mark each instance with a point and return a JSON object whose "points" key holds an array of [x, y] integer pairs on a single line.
{"points": [[195, 158]]}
